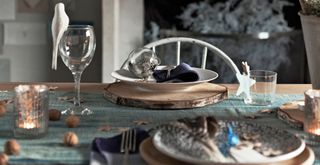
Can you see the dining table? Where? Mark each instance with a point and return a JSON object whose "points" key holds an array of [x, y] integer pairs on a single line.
{"points": [[110, 119]]}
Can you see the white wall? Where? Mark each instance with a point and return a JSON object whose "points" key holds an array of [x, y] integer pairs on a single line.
{"points": [[27, 58], [85, 11], [122, 32], [25, 53]]}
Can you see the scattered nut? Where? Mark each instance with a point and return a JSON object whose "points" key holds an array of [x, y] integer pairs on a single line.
{"points": [[69, 99], [122, 129], [4, 159], [72, 121], [252, 116], [70, 139], [105, 128], [3, 109], [141, 122], [12, 147], [54, 115]]}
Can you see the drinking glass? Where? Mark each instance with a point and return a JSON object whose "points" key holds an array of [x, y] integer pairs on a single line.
{"points": [[264, 89], [76, 48]]}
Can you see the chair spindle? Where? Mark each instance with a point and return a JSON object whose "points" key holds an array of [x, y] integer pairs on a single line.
{"points": [[204, 57], [178, 52]]}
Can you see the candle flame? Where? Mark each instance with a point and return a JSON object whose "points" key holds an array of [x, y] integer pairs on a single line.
{"points": [[316, 131], [29, 125]]}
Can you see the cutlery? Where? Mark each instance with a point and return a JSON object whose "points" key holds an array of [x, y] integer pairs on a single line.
{"points": [[128, 143]]}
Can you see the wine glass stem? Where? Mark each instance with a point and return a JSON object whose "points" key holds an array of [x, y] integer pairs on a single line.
{"points": [[77, 78]]}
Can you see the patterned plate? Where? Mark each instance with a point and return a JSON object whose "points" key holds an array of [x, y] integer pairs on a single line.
{"points": [[285, 144]]}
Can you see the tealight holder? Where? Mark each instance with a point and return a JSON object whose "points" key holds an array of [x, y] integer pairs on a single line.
{"points": [[31, 103], [311, 122]]}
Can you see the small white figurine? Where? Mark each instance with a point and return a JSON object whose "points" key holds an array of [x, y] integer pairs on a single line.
{"points": [[59, 25], [245, 82]]}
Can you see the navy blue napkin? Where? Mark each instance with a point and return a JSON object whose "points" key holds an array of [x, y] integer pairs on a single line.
{"points": [[106, 151], [181, 73]]}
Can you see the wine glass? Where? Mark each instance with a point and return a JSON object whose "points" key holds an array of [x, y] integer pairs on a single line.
{"points": [[77, 47]]}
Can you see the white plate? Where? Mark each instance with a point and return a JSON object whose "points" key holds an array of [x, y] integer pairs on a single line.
{"points": [[126, 76], [270, 137]]}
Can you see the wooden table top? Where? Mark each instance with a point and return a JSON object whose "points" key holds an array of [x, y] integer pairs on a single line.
{"points": [[95, 87]]}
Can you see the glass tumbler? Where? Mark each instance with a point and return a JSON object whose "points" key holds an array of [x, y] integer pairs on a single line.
{"points": [[264, 89], [312, 112], [31, 103]]}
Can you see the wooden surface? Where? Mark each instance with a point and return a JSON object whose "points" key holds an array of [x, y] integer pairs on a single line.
{"points": [[96, 87], [153, 157], [195, 96]]}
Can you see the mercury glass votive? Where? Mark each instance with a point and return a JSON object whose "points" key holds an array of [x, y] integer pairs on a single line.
{"points": [[311, 122], [31, 103]]}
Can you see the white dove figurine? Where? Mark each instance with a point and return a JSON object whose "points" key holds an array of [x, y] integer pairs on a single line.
{"points": [[59, 25]]}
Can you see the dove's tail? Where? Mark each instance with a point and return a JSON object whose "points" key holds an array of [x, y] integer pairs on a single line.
{"points": [[54, 57]]}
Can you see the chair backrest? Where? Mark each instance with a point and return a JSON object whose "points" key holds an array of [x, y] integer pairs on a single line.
{"points": [[206, 46]]}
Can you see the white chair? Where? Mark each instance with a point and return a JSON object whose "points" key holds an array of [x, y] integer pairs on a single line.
{"points": [[206, 46]]}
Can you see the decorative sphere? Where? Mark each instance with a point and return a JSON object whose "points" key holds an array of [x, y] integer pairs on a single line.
{"points": [[142, 62]]}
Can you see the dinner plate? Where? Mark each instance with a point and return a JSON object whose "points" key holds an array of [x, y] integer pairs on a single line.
{"points": [[152, 156], [269, 137], [126, 76]]}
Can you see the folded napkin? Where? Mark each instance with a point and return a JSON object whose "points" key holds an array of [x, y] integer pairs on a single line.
{"points": [[181, 73], [106, 151]]}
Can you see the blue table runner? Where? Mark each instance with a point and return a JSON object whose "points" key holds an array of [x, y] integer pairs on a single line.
{"points": [[50, 149]]}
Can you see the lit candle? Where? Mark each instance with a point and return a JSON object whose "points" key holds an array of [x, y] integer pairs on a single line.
{"points": [[316, 131], [31, 111], [29, 125], [312, 112]]}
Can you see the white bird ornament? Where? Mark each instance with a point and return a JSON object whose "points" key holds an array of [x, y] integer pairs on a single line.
{"points": [[60, 23]]}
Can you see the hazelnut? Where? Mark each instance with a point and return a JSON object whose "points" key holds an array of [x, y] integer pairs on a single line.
{"points": [[12, 147], [54, 115], [3, 109], [72, 121], [4, 159], [70, 139]]}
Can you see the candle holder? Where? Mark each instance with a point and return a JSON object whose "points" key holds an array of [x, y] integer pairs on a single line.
{"points": [[31, 105], [312, 116]]}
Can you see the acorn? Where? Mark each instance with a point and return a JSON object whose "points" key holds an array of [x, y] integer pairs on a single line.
{"points": [[72, 121], [4, 159], [70, 139], [3, 109], [12, 147], [54, 115]]}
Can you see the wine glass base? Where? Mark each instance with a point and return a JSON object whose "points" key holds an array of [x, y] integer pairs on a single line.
{"points": [[77, 110]]}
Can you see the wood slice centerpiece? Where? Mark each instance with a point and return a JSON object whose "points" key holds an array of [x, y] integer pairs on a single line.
{"points": [[198, 95], [290, 112]]}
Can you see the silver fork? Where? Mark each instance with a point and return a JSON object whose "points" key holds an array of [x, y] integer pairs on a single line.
{"points": [[128, 143]]}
